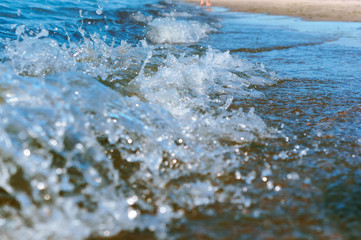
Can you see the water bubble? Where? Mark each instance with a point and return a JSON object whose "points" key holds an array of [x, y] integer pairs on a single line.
{"points": [[27, 152], [238, 175], [47, 197], [41, 186], [162, 210], [269, 185], [99, 11], [53, 142], [132, 214], [79, 146], [132, 200], [293, 176]]}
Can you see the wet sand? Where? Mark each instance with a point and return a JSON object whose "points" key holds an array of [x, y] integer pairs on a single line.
{"points": [[314, 10]]}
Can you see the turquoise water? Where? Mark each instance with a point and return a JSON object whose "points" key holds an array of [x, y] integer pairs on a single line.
{"points": [[160, 120]]}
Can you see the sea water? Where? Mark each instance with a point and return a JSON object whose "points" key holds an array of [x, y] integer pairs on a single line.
{"points": [[160, 120]]}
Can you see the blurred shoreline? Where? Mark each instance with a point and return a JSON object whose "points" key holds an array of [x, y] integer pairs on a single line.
{"points": [[311, 10]]}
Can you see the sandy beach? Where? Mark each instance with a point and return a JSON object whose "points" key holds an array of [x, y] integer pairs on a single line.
{"points": [[312, 10]]}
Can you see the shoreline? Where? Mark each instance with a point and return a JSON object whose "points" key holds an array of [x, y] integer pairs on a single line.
{"points": [[310, 10]]}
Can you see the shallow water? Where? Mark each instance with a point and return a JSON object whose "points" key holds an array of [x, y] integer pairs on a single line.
{"points": [[159, 120]]}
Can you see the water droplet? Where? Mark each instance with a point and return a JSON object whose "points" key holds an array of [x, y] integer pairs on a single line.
{"points": [[162, 210], [53, 142], [238, 175], [41, 186], [99, 10], [293, 176], [132, 200], [269, 185], [132, 214], [27, 152], [47, 197]]}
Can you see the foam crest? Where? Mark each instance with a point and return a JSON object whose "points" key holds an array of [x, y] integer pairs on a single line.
{"points": [[170, 30], [198, 92], [36, 56], [138, 16], [210, 82]]}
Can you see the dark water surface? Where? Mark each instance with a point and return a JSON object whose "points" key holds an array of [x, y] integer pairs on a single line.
{"points": [[159, 120]]}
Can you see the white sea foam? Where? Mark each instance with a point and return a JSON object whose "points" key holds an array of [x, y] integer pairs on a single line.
{"points": [[177, 14], [138, 16], [40, 57], [194, 83], [170, 30]]}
